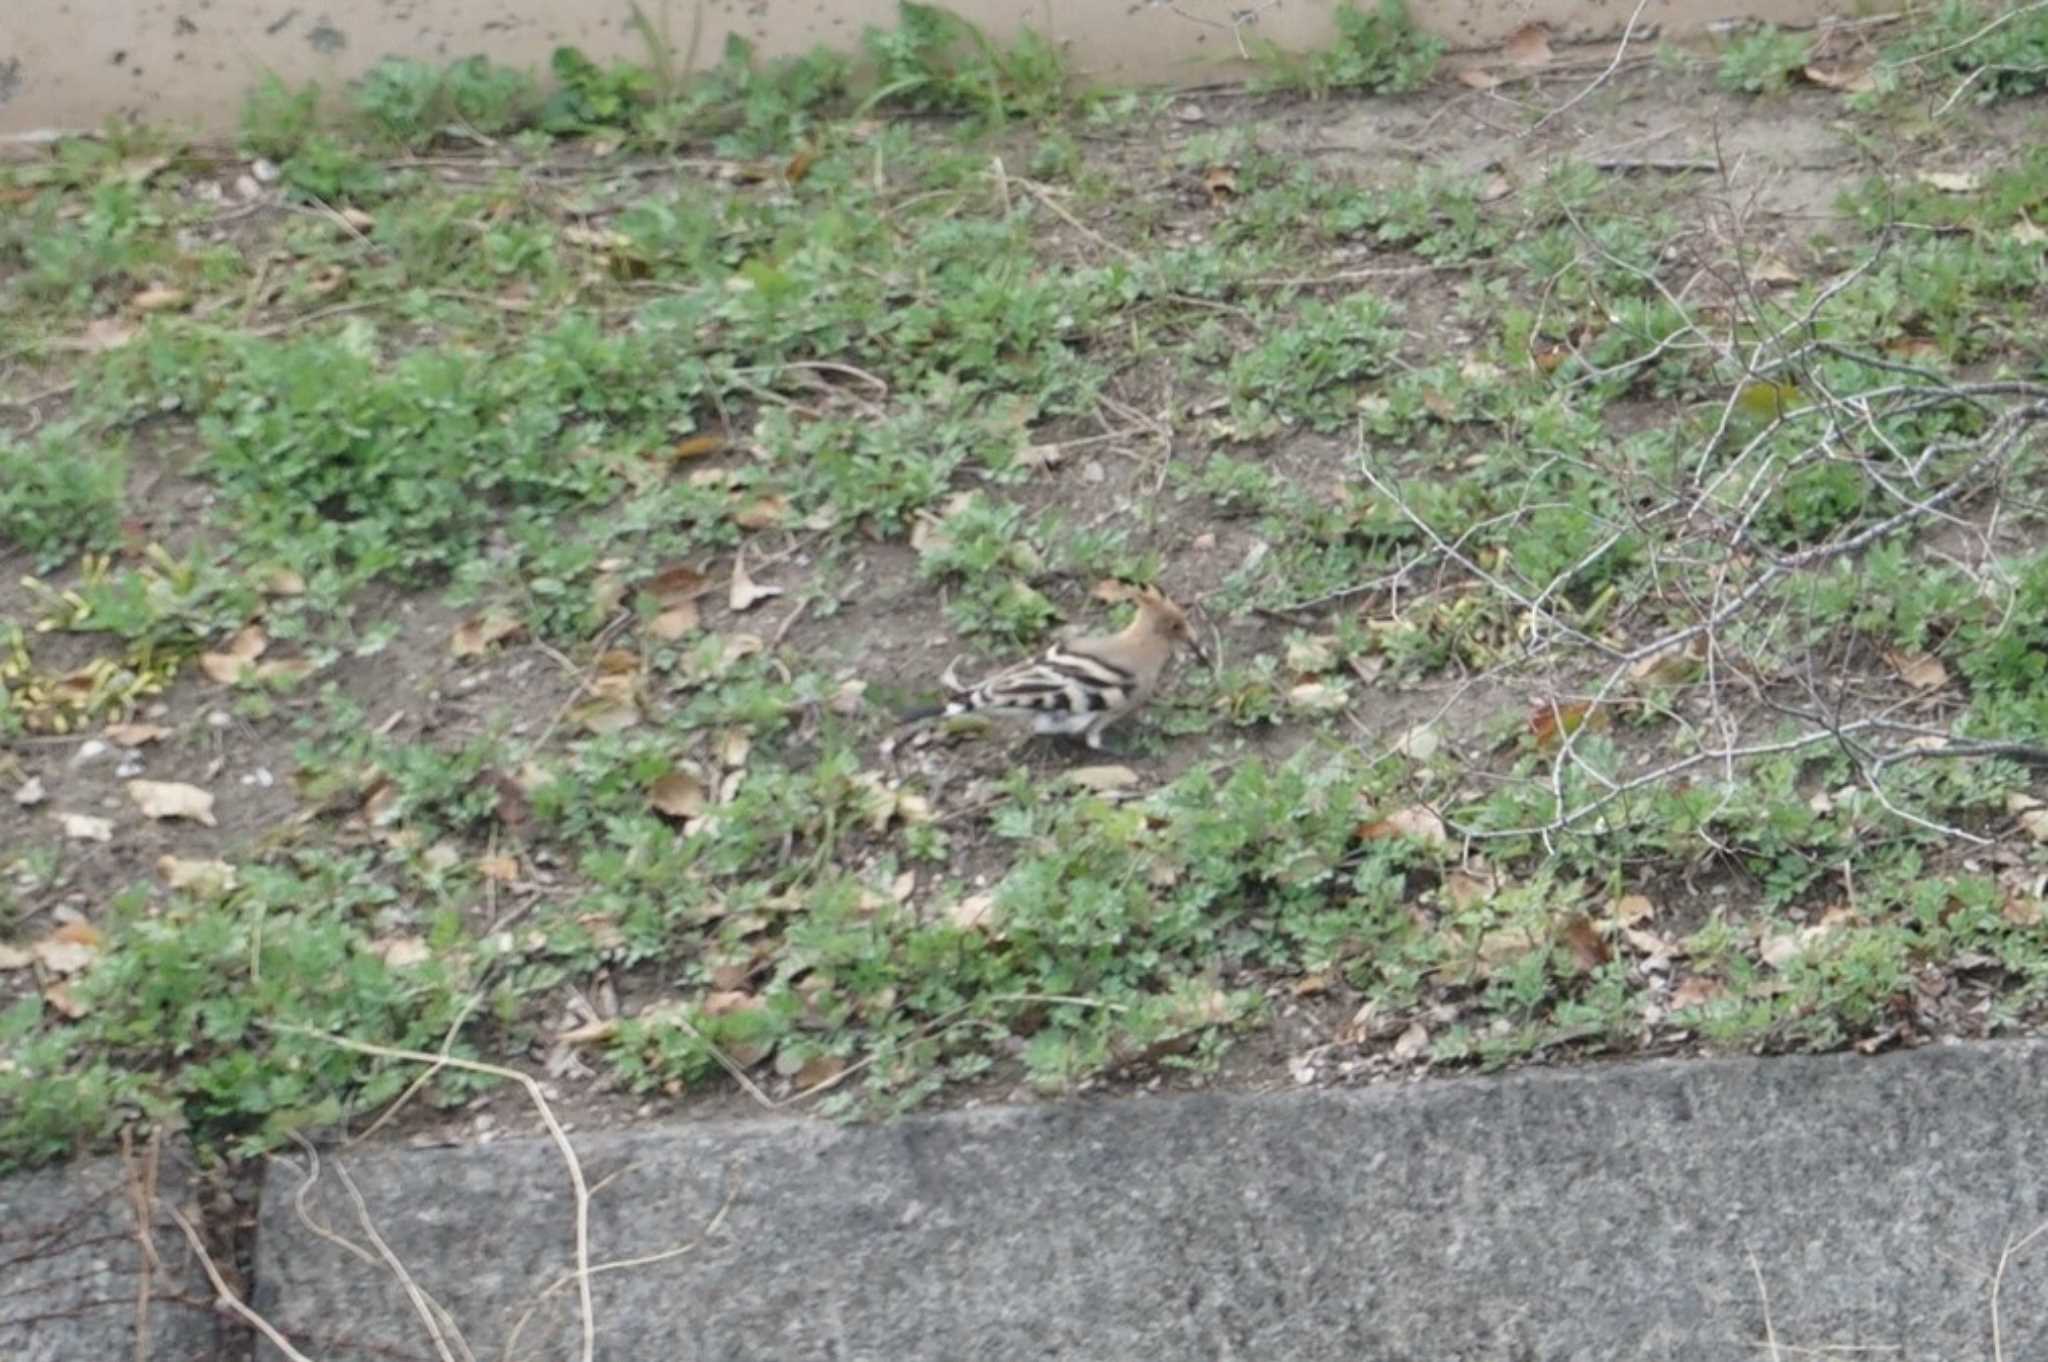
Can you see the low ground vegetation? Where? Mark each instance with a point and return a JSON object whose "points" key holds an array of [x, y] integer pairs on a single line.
{"points": [[467, 542]]}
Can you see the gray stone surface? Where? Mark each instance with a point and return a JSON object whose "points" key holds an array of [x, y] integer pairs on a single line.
{"points": [[70, 1272], [1607, 1212]]}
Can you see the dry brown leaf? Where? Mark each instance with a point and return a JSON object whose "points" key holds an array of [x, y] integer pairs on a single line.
{"points": [[1463, 888], [2027, 233], [2022, 910], [1477, 78], [401, 952], [606, 716], [159, 298], [201, 877], [1630, 909], [1528, 45], [799, 164], [326, 281], [1781, 950], [104, 333], [172, 799], [504, 869], [475, 635], [1221, 182], [1413, 1042], [746, 593], [975, 913], [283, 582], [1312, 655], [14, 957], [1415, 821], [1316, 697], [1848, 80], [233, 662], [674, 622], [62, 1000], [135, 735], [848, 699], [719, 1002], [762, 512], [1696, 990], [1035, 458], [1921, 671], [1550, 723], [697, 446], [1103, 779], [1581, 937], [818, 1070], [675, 584], [71, 948], [1951, 181], [86, 827], [1914, 349], [1773, 272], [679, 794], [2031, 813]]}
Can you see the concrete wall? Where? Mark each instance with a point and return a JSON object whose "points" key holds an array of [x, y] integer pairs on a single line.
{"points": [[72, 63]]}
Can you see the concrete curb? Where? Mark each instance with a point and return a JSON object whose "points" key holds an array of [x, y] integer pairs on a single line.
{"points": [[1597, 1213]]}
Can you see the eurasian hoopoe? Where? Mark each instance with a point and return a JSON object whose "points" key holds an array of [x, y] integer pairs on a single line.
{"points": [[1079, 688]]}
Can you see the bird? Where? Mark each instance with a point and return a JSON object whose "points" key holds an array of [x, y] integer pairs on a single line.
{"points": [[1080, 687]]}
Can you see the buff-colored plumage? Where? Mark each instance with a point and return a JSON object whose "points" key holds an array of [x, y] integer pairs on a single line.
{"points": [[1081, 687]]}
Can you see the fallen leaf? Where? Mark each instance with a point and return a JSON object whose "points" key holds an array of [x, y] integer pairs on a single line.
{"points": [[135, 735], [1103, 779], [30, 792], [1772, 271], [475, 635], [358, 219], [1696, 990], [326, 281], [85, 827], [762, 512], [283, 582], [503, 869], [799, 165], [1848, 80], [401, 952], [1221, 182], [14, 957], [697, 446], [1462, 889], [2031, 813], [1477, 78], [674, 622], [975, 913], [1312, 656], [1036, 458], [172, 799], [68, 950], [2022, 911], [719, 1002], [63, 1000], [159, 298], [1951, 181], [1317, 697], [1589, 950], [1412, 1042], [1528, 45], [1416, 821], [1551, 723], [733, 746], [2027, 233], [104, 333], [201, 877], [817, 1071], [679, 794], [1781, 950], [235, 661], [745, 592], [1914, 349], [1921, 671], [848, 699], [1630, 909]]}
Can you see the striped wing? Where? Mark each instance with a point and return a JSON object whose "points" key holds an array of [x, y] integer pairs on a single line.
{"points": [[1064, 691]]}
